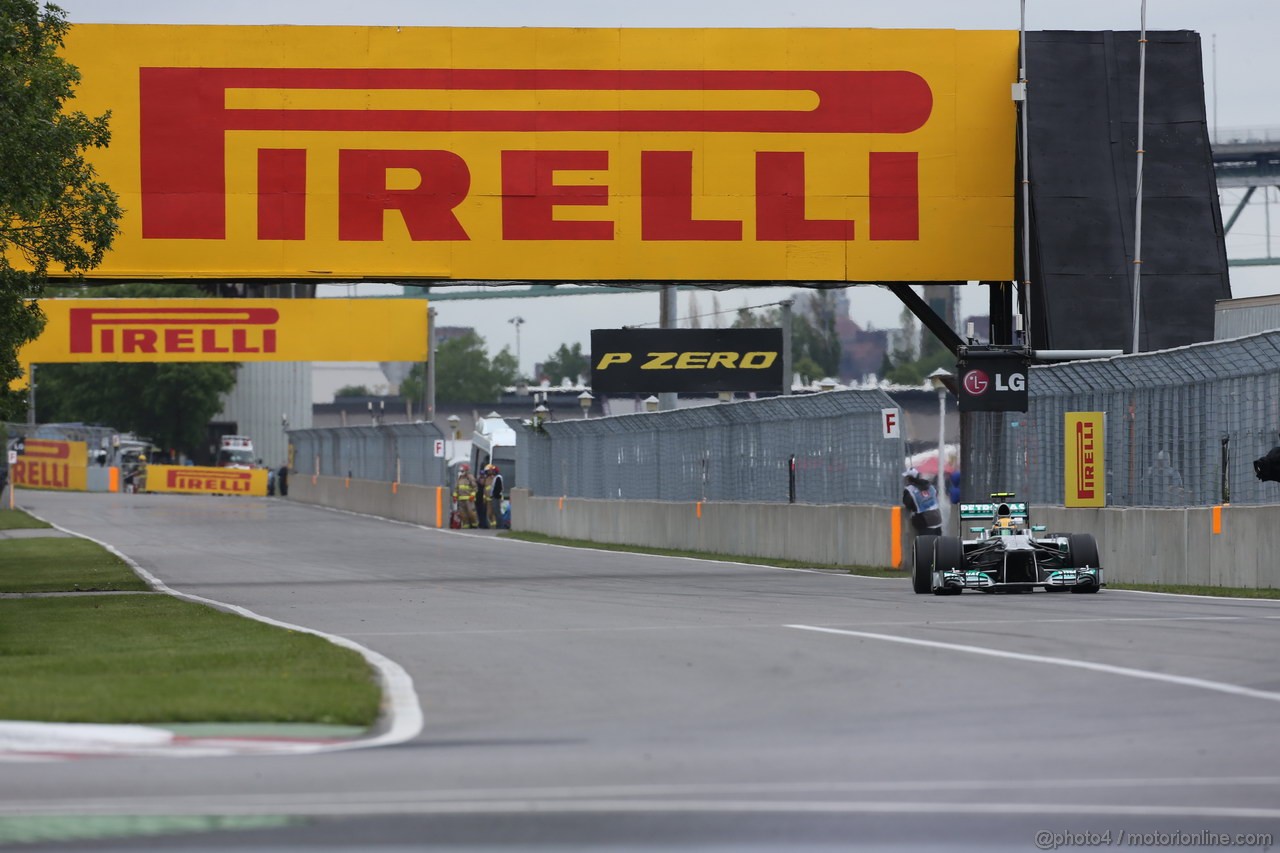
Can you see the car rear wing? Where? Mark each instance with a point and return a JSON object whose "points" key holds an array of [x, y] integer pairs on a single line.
{"points": [[1016, 510]]}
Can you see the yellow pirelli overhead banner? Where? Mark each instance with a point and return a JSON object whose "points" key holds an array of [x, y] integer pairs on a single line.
{"points": [[192, 479], [48, 464], [81, 330], [1085, 454], [555, 154]]}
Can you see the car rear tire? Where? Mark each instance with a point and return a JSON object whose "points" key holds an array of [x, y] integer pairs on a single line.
{"points": [[1084, 555], [922, 564], [948, 555]]}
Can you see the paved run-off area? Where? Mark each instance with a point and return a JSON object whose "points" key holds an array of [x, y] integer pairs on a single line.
{"points": [[593, 698]]}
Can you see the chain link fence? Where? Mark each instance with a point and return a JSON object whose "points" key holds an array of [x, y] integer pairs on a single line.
{"points": [[741, 451], [97, 438], [1183, 427], [372, 453]]}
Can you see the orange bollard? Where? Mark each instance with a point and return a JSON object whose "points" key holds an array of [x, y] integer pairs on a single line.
{"points": [[895, 532]]}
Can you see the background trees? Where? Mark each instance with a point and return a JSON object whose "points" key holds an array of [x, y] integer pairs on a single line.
{"points": [[567, 362], [815, 343], [54, 212], [464, 372]]}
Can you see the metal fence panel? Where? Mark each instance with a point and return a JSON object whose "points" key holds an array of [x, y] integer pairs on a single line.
{"points": [[727, 452], [1183, 427], [98, 439], [384, 453]]}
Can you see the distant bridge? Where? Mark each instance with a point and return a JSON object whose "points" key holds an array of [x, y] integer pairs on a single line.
{"points": [[1248, 158]]}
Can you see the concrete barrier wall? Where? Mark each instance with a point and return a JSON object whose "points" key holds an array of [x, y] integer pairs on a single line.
{"points": [[416, 504], [834, 535], [1137, 545], [1178, 546]]}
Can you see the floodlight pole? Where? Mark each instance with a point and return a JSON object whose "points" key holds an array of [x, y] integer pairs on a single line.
{"points": [[1137, 213]]}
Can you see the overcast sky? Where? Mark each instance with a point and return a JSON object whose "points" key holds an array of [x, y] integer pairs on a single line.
{"points": [[1242, 90]]}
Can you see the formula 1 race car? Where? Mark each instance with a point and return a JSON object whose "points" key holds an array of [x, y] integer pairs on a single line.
{"points": [[1005, 554]]}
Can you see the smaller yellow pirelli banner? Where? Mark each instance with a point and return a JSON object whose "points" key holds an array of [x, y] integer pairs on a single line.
{"points": [[140, 330], [1085, 456], [47, 464], [195, 480]]}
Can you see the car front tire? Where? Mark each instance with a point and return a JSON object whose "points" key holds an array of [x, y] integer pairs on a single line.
{"points": [[1084, 555], [948, 555], [922, 564]]}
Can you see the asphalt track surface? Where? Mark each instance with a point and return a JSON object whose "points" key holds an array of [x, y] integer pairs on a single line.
{"points": [[586, 700]]}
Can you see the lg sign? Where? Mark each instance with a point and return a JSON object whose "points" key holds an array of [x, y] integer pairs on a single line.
{"points": [[994, 381], [977, 382]]}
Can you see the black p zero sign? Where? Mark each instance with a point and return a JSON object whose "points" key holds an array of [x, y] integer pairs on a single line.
{"points": [[689, 360], [994, 383]]}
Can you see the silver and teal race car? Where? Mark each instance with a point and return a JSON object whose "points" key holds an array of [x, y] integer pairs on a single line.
{"points": [[1004, 553]]}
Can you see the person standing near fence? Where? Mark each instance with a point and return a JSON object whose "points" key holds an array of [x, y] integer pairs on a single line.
{"points": [[464, 495], [497, 506], [483, 511], [921, 500], [1163, 482]]}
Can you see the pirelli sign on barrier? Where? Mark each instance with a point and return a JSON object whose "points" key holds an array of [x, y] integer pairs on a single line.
{"points": [[46, 464], [1085, 455], [237, 330], [554, 154], [688, 360], [191, 479]]}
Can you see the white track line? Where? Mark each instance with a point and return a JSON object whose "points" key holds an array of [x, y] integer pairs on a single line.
{"points": [[345, 807], [402, 712], [1144, 674]]}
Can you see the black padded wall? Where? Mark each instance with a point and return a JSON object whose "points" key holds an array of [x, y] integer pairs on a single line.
{"points": [[1083, 107]]}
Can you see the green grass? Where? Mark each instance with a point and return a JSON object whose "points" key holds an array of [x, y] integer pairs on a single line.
{"points": [[44, 829], [156, 659], [868, 571], [1186, 589], [16, 519], [62, 565]]}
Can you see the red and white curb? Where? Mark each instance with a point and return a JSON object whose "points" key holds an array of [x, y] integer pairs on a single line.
{"points": [[31, 741]]}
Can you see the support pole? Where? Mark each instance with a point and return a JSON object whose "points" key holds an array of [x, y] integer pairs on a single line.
{"points": [[429, 370], [1026, 176], [31, 396], [1235, 214], [667, 320], [787, 368], [942, 455]]}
